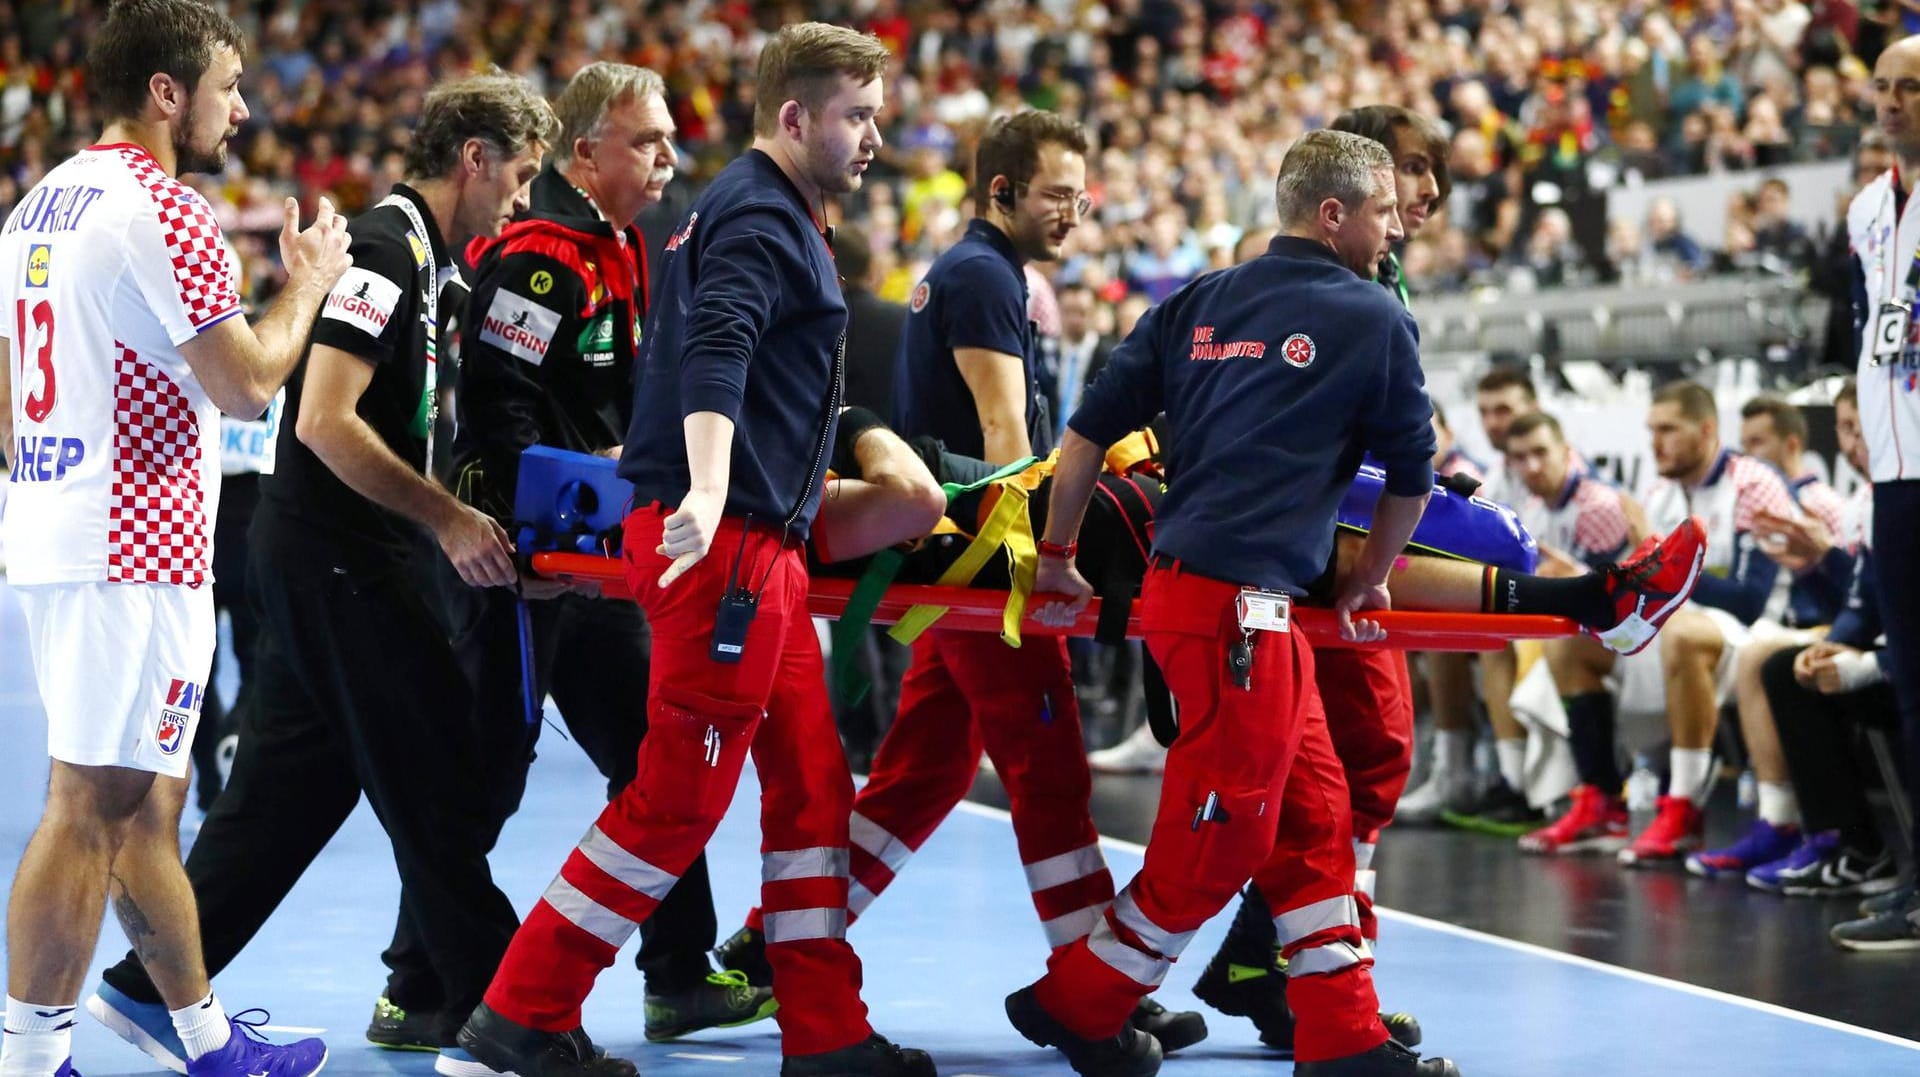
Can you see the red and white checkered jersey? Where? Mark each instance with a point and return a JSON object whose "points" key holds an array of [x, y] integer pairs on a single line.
{"points": [[1585, 522], [107, 266], [1820, 501], [1737, 488]]}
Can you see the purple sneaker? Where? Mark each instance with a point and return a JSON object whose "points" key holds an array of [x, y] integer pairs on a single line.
{"points": [[1763, 843], [1812, 850], [248, 1055]]}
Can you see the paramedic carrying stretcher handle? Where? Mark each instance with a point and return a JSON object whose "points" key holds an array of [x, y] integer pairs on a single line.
{"points": [[1276, 376]]}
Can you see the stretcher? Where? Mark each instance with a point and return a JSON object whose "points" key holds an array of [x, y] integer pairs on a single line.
{"points": [[570, 507]]}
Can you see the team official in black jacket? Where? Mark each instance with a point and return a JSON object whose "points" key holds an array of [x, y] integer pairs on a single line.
{"points": [[548, 359], [1279, 374], [356, 687], [733, 419]]}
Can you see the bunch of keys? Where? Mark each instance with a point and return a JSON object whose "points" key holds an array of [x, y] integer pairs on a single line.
{"points": [[1240, 661]]}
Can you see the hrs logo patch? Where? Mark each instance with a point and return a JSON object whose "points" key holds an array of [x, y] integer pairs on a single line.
{"points": [[364, 300], [683, 234], [176, 715], [519, 326]]}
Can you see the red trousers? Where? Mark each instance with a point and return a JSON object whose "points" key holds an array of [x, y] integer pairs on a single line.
{"points": [[966, 691], [1252, 789], [705, 717], [1368, 696]]}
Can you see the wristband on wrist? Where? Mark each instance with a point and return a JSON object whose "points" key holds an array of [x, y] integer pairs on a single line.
{"points": [[1054, 549]]}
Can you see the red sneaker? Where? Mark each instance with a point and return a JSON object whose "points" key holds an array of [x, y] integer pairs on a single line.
{"points": [[1597, 823], [1676, 830], [1650, 585]]}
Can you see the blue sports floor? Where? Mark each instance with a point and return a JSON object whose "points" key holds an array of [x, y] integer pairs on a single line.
{"points": [[942, 949]]}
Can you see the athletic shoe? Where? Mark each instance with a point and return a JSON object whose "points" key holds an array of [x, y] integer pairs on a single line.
{"points": [[456, 1062], [1138, 754], [875, 1056], [1499, 810], [1812, 849], [1896, 929], [1130, 1053], [1447, 789], [745, 952], [66, 1068], [1596, 823], [248, 1054], [397, 1029], [1843, 872], [509, 1047], [1176, 1030], [1390, 1059], [1259, 993], [146, 1025], [1887, 902], [1677, 827], [1650, 586], [723, 1000], [1763, 843]]}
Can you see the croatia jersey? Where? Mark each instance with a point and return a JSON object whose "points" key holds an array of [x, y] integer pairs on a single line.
{"points": [[1738, 577], [107, 266], [1585, 522], [1820, 501]]}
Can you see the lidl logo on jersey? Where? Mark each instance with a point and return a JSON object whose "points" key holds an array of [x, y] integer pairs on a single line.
{"points": [[176, 716], [519, 326], [39, 265], [362, 299]]}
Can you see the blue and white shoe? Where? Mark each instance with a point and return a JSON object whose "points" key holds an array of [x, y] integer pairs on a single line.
{"points": [[66, 1069], [1763, 843], [248, 1054], [456, 1062], [1813, 849], [146, 1025]]}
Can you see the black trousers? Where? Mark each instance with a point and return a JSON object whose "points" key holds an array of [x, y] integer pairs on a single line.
{"points": [[591, 655], [239, 497], [1896, 519], [355, 690], [1817, 736]]}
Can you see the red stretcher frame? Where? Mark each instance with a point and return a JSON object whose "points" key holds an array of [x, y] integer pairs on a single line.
{"points": [[979, 610]]}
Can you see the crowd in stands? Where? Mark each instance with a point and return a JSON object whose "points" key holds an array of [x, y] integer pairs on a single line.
{"points": [[1192, 105]]}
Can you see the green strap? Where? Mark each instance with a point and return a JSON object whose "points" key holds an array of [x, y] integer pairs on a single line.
{"points": [[880, 574]]}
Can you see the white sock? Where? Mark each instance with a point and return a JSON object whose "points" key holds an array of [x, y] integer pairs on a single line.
{"points": [[37, 1038], [1452, 750], [1513, 762], [1778, 805], [1690, 769], [203, 1027], [1362, 854]]}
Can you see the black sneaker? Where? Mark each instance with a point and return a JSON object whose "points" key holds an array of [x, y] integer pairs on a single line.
{"points": [[1256, 992], [1175, 1029], [746, 951], [507, 1047], [1390, 1059], [1260, 995], [1500, 810], [723, 1000], [1895, 929], [1131, 1053], [1844, 872], [874, 1056], [396, 1029]]}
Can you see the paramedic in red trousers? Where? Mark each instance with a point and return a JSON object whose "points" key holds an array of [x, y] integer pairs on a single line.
{"points": [[733, 418], [965, 376], [1367, 692], [1277, 374], [549, 359]]}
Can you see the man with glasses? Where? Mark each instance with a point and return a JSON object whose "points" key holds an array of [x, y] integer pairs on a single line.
{"points": [[967, 338]]}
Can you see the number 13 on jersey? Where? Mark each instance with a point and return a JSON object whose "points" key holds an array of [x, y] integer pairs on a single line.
{"points": [[33, 335]]}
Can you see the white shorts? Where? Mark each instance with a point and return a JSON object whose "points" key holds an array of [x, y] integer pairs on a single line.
{"points": [[1642, 678], [122, 670]]}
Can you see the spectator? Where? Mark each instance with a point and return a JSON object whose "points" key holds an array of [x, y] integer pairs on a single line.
{"points": [[1675, 253]]}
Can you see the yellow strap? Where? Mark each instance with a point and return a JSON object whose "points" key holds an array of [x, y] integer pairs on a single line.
{"points": [[1009, 512]]}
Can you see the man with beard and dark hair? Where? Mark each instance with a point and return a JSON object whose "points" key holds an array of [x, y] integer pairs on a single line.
{"points": [[126, 347]]}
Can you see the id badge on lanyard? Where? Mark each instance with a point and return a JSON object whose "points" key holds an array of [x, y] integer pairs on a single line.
{"points": [[1892, 323], [421, 246]]}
